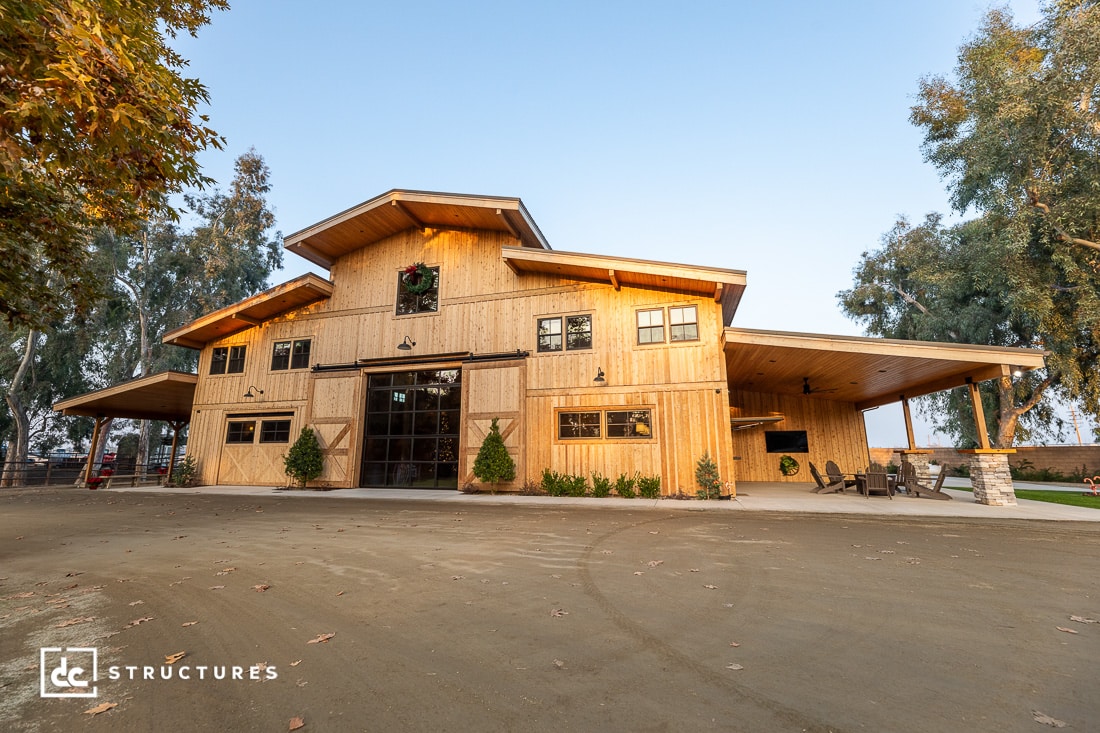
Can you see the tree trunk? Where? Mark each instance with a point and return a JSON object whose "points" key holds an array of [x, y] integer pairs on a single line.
{"points": [[16, 460], [1009, 413]]}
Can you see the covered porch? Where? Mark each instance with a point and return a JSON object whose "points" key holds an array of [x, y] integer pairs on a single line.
{"points": [[817, 387], [166, 396]]}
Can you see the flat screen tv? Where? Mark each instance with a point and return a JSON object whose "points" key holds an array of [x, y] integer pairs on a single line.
{"points": [[786, 441]]}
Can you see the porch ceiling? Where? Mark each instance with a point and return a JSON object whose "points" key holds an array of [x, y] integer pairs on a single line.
{"points": [[866, 371], [161, 396]]}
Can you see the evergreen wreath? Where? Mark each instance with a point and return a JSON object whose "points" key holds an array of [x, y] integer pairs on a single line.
{"points": [[418, 278]]}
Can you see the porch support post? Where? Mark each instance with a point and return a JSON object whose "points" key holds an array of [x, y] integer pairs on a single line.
{"points": [[913, 456], [908, 422], [979, 414], [989, 471], [177, 426], [100, 421]]}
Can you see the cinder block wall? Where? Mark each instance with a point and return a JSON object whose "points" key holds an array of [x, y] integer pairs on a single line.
{"points": [[1062, 458]]}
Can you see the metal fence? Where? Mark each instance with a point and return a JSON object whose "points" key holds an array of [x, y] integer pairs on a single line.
{"points": [[69, 470]]}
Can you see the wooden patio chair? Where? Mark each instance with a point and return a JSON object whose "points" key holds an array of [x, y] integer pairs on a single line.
{"points": [[822, 487], [877, 482], [835, 474], [916, 488]]}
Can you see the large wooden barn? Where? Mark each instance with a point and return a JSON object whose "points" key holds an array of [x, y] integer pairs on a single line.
{"points": [[589, 363]]}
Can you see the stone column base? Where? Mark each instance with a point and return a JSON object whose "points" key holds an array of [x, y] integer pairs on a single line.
{"points": [[919, 462], [991, 479]]}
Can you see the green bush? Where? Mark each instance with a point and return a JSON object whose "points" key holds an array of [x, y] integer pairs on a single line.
{"points": [[493, 464], [575, 485], [552, 483], [304, 462], [601, 485], [649, 487], [185, 472], [624, 486]]}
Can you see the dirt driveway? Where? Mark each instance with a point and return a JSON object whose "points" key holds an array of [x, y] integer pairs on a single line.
{"points": [[515, 618]]}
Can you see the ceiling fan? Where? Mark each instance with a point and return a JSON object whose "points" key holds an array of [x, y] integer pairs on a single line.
{"points": [[807, 389]]}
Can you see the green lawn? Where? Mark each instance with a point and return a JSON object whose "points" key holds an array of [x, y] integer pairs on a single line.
{"points": [[1072, 498]]}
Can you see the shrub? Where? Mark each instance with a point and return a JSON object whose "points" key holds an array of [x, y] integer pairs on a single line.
{"points": [[575, 485], [553, 483], [493, 464], [601, 485], [532, 488], [649, 487], [304, 462], [624, 486], [892, 467], [185, 472], [706, 475]]}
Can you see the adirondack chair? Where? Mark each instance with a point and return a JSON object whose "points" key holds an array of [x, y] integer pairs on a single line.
{"points": [[877, 482], [936, 492], [835, 474], [822, 487]]}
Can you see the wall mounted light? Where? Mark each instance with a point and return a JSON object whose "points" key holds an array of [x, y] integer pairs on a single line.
{"points": [[406, 345], [599, 380], [1017, 372], [249, 394]]}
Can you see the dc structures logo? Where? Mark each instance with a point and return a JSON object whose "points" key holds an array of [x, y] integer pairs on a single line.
{"points": [[68, 672]]}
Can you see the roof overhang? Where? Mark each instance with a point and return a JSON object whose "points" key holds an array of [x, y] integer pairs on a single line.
{"points": [[162, 396], [868, 372], [253, 311], [398, 210], [724, 286]]}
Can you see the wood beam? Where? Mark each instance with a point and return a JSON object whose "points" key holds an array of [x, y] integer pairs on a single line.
{"points": [[247, 319], [979, 415], [979, 374], [504, 218], [908, 422], [399, 206], [614, 277], [717, 292]]}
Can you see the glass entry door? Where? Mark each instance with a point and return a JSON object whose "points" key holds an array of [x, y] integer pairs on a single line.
{"points": [[411, 435]]}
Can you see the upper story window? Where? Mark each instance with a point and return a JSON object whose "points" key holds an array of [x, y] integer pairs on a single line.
{"points": [[576, 334], [411, 298], [290, 355], [683, 323], [227, 360], [651, 326]]}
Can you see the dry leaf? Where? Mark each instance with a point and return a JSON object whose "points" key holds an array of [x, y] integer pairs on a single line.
{"points": [[559, 664], [260, 588], [1083, 620], [74, 622], [558, 613], [638, 572], [1063, 628], [188, 623], [655, 563], [694, 570], [734, 666], [137, 621], [734, 643], [340, 594], [1047, 720], [710, 587], [135, 603], [101, 708], [296, 723], [173, 658], [216, 587], [457, 577], [295, 664], [321, 638]]}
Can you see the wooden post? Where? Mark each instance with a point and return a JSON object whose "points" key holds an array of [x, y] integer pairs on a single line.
{"points": [[176, 426], [979, 414], [100, 421], [908, 423]]}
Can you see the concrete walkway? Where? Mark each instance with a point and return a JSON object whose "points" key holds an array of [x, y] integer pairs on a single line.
{"points": [[765, 497]]}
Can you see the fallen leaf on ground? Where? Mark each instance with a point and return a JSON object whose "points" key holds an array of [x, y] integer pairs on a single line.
{"points": [[75, 621], [559, 664], [321, 638], [260, 588], [1047, 720], [558, 613], [340, 594], [457, 577], [1083, 620], [734, 666], [734, 643], [173, 658], [708, 586], [295, 664], [135, 603], [638, 572], [72, 575], [216, 587], [101, 708], [137, 621], [188, 623], [694, 570], [655, 563], [296, 723], [1063, 628]]}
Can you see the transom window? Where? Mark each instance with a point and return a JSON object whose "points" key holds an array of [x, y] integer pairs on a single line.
{"points": [[577, 333], [241, 432], [409, 302], [227, 360], [275, 431], [683, 323], [616, 424], [651, 326], [290, 355]]}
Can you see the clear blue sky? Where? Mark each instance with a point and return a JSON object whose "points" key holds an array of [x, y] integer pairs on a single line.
{"points": [[771, 137]]}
